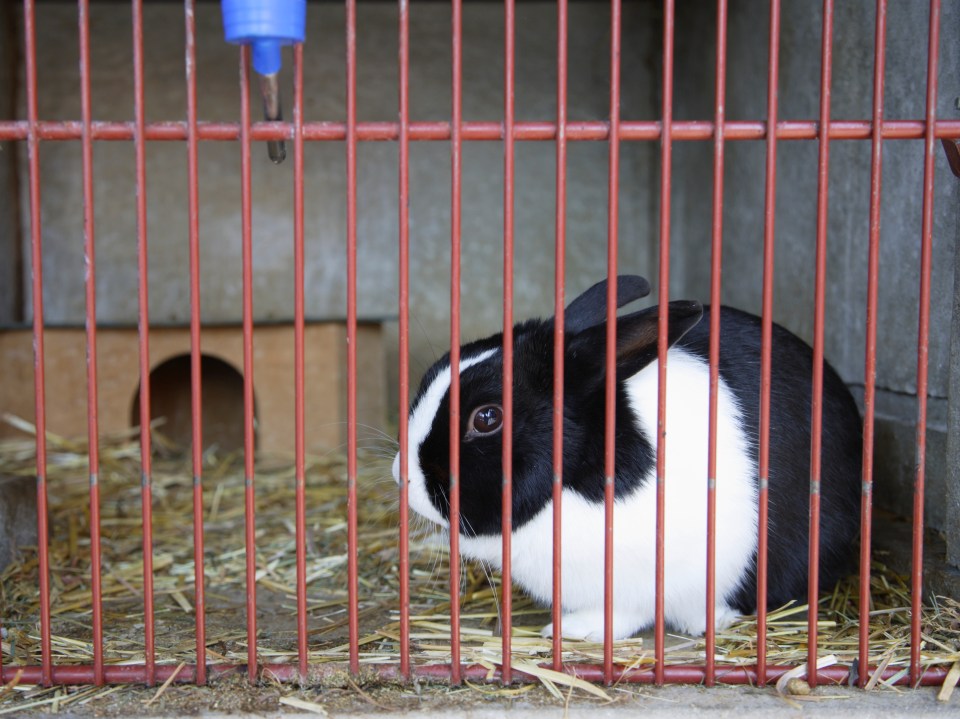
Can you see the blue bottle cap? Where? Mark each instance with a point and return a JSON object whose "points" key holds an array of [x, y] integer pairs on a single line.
{"points": [[267, 25]]}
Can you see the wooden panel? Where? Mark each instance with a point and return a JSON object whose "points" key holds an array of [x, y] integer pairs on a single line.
{"points": [[273, 376]]}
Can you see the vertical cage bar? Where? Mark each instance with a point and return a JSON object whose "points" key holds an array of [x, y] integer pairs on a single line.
{"points": [[816, 409], [610, 386], [90, 285], [193, 210], [250, 496], [299, 360], [769, 236], [39, 381], [506, 603], [456, 162], [720, 94], [404, 336], [923, 334], [352, 571], [870, 370], [143, 333], [666, 156], [558, 329]]}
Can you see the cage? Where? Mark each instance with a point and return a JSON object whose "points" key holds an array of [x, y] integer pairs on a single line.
{"points": [[804, 152]]}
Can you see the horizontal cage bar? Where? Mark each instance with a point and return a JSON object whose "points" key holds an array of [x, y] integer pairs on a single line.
{"points": [[685, 674], [441, 131]]}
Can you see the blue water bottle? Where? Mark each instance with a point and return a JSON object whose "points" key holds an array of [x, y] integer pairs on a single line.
{"points": [[266, 25]]}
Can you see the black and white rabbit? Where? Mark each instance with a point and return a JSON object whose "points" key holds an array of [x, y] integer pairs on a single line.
{"points": [[636, 420]]}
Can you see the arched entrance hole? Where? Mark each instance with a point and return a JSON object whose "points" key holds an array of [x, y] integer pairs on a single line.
{"points": [[222, 397]]}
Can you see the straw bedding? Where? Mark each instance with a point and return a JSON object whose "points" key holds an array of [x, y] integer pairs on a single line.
{"points": [[122, 579]]}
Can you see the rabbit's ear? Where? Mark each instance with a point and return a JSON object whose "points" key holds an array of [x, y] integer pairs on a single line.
{"points": [[637, 333], [636, 339], [590, 308]]}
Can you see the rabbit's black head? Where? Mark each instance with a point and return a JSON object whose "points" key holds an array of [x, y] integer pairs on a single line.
{"points": [[481, 419]]}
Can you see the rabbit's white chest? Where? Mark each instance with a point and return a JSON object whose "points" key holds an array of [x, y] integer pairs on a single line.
{"points": [[635, 517]]}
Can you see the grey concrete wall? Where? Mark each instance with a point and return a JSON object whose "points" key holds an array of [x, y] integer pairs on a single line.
{"points": [[952, 494], [482, 184], [10, 266], [325, 164], [849, 180], [848, 220]]}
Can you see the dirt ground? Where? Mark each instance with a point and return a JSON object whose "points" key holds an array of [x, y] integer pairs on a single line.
{"points": [[233, 696]]}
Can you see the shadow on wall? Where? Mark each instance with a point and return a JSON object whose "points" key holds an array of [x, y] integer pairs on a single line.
{"points": [[170, 400]]}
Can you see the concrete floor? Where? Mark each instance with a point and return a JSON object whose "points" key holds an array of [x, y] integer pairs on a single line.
{"points": [[489, 703], [718, 702]]}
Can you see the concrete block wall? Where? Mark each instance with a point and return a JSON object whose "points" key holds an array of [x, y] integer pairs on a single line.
{"points": [[848, 220], [11, 275], [325, 167], [482, 218]]}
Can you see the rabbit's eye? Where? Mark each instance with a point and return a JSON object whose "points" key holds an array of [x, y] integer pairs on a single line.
{"points": [[485, 420]]}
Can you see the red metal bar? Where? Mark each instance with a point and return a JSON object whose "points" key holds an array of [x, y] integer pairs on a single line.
{"points": [[250, 526], [196, 412], [456, 162], [404, 339], [352, 571], [508, 195], [679, 674], [923, 334], [870, 370], [90, 285], [820, 286], [39, 381], [715, 270], [769, 235], [439, 131], [299, 360], [610, 385], [558, 329], [666, 162], [143, 332]]}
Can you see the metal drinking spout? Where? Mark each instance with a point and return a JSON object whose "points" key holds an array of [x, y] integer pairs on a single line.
{"points": [[272, 110], [266, 25]]}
